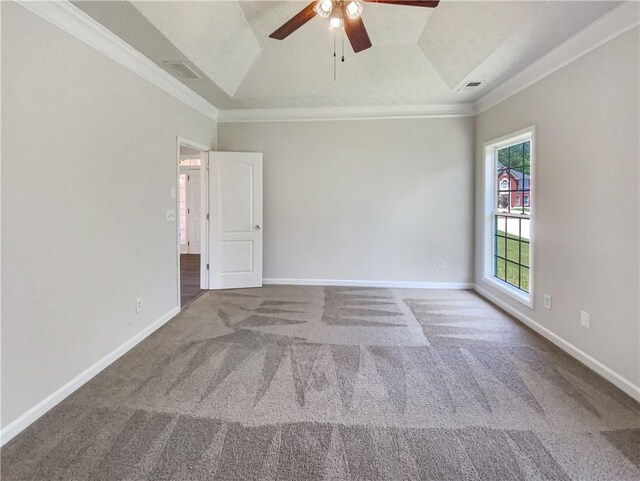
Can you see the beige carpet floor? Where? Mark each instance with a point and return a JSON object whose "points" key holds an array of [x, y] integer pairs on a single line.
{"points": [[310, 383]]}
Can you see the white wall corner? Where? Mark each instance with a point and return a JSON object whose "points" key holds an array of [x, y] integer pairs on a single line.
{"points": [[25, 420], [74, 21], [592, 363], [606, 28]]}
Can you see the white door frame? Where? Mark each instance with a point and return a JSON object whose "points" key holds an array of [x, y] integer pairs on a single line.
{"points": [[204, 199], [182, 171], [190, 217]]}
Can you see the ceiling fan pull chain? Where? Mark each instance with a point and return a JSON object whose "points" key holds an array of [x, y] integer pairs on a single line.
{"points": [[334, 56]]}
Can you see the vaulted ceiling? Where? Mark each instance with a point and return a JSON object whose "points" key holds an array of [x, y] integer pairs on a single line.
{"points": [[419, 56]]}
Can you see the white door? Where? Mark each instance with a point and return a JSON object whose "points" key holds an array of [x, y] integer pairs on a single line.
{"points": [[235, 225], [194, 211]]}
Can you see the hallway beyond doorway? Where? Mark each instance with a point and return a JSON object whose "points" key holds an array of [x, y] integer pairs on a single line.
{"points": [[189, 278]]}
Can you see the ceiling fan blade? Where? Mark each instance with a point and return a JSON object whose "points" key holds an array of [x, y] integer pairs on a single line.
{"points": [[416, 3], [356, 33], [302, 17]]}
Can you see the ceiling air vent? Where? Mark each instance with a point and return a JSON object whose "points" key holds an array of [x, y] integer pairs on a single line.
{"points": [[181, 70], [470, 85]]}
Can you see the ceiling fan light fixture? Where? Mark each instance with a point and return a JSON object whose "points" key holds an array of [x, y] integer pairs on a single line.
{"points": [[354, 10], [324, 8], [335, 21]]}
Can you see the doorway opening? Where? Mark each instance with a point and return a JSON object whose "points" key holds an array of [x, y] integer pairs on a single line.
{"points": [[192, 195]]}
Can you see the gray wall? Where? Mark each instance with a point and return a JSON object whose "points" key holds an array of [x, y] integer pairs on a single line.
{"points": [[586, 200], [88, 161], [365, 199]]}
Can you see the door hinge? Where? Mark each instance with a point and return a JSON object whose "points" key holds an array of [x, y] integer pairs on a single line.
{"points": [[188, 211], [188, 177], [207, 216], [207, 266], [188, 243]]}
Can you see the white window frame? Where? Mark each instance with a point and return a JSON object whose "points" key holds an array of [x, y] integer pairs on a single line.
{"points": [[490, 210]]}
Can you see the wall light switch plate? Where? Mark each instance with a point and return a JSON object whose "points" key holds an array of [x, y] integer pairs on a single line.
{"points": [[585, 319], [547, 301], [171, 216]]}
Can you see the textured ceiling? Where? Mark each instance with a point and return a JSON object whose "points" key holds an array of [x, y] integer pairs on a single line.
{"points": [[419, 56], [214, 35]]}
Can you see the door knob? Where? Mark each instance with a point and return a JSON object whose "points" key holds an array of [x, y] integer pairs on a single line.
{"points": [[257, 227]]}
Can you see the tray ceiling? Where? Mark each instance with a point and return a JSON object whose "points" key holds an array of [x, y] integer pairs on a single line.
{"points": [[419, 56]]}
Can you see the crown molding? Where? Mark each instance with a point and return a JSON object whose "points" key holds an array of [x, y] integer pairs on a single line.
{"points": [[608, 27], [74, 21], [346, 113]]}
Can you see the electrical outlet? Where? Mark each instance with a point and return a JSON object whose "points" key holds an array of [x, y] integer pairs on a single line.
{"points": [[547, 301], [170, 215], [442, 264], [139, 304], [585, 319]]}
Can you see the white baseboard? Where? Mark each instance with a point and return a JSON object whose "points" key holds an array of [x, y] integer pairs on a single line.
{"points": [[25, 420], [357, 283], [592, 363]]}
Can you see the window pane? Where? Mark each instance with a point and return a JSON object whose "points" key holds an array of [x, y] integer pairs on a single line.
{"points": [[525, 229], [513, 273], [513, 226], [500, 269], [516, 157], [500, 245], [190, 162], [524, 254], [513, 249], [524, 279], [503, 202]]}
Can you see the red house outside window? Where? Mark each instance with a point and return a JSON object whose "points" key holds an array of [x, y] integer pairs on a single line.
{"points": [[513, 188]]}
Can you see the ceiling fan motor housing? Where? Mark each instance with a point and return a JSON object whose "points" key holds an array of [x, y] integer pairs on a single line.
{"points": [[343, 15]]}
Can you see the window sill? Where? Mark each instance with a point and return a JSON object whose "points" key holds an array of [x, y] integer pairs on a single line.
{"points": [[514, 293]]}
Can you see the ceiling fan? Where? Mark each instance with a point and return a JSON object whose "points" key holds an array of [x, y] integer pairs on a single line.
{"points": [[343, 15]]}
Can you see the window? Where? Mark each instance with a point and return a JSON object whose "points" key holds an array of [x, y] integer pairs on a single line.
{"points": [[509, 217], [194, 162]]}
